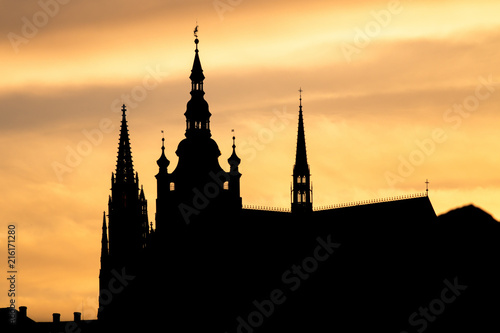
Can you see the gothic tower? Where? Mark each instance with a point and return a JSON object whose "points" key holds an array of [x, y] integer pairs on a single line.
{"points": [[126, 234], [301, 192], [128, 219], [198, 185]]}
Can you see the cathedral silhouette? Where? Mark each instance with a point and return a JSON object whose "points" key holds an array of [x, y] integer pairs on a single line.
{"points": [[210, 264]]}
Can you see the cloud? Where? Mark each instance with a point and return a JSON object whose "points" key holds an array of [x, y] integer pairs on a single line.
{"points": [[360, 117]]}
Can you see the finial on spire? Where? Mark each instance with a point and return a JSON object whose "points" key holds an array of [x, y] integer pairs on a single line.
{"points": [[427, 187], [300, 97], [195, 32], [234, 160], [162, 140], [124, 108]]}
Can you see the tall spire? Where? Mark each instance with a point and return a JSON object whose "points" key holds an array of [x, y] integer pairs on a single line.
{"points": [[104, 239], [126, 234], [124, 165], [197, 76], [301, 154], [197, 113], [104, 270], [301, 188]]}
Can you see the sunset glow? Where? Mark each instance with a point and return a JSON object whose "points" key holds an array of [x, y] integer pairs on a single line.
{"points": [[394, 93]]}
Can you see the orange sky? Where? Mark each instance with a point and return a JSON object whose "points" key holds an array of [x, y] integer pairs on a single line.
{"points": [[394, 93]]}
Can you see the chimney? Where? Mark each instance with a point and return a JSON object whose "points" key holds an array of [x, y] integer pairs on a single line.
{"points": [[77, 317], [56, 317], [23, 312]]}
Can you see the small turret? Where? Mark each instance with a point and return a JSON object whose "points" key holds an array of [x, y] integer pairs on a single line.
{"points": [[163, 162], [234, 177], [234, 161]]}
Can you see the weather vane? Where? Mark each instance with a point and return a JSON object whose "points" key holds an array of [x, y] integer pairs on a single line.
{"points": [[196, 31]]}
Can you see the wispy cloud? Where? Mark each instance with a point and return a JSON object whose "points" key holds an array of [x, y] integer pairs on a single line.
{"points": [[359, 116]]}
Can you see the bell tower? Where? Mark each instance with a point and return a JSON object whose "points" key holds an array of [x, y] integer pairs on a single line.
{"points": [[301, 193], [198, 188], [197, 114]]}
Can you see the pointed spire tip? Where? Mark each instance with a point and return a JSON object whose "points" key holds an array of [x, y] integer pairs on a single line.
{"points": [[300, 98]]}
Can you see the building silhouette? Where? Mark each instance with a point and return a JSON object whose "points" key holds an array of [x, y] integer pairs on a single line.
{"points": [[224, 254], [211, 264]]}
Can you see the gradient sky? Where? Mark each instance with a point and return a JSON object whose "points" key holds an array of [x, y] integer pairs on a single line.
{"points": [[395, 92]]}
